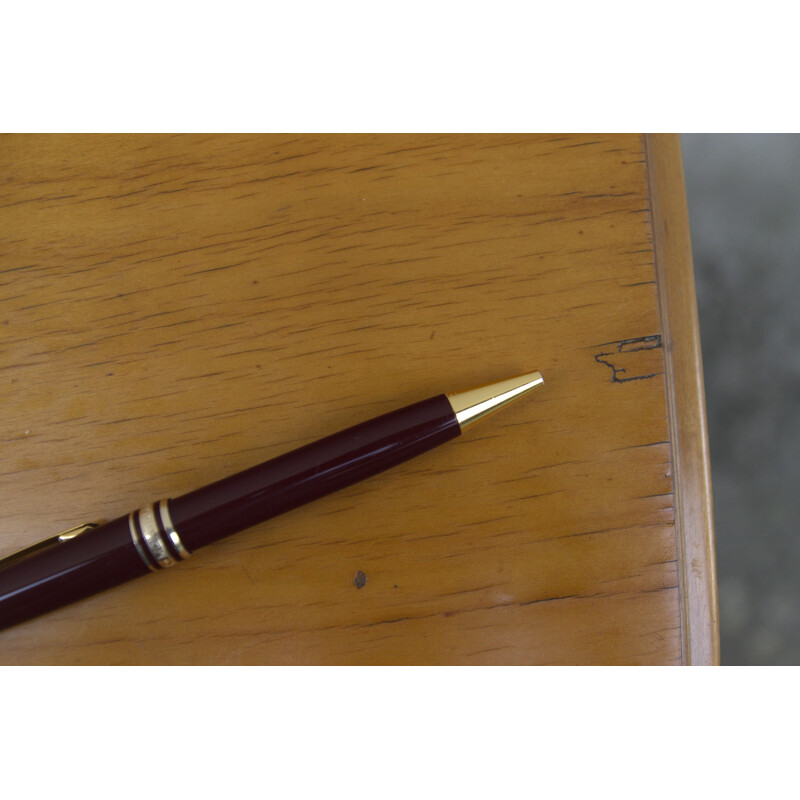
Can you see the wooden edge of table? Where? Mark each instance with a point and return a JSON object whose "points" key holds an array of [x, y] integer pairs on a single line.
{"points": [[694, 521]]}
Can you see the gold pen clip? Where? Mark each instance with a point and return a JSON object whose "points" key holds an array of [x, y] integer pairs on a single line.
{"points": [[64, 536]]}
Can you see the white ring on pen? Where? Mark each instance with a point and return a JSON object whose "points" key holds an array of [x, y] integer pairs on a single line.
{"points": [[148, 525]]}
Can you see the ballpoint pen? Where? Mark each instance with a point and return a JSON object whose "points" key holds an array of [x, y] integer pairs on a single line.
{"points": [[91, 558]]}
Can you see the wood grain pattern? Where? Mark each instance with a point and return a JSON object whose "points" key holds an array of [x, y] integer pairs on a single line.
{"points": [[175, 308]]}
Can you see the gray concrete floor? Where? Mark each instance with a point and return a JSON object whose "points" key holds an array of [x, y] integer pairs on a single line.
{"points": [[744, 207]]}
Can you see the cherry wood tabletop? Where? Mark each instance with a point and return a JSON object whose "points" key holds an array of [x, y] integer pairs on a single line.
{"points": [[175, 308]]}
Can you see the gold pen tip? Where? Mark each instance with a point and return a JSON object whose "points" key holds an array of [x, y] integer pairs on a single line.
{"points": [[475, 404]]}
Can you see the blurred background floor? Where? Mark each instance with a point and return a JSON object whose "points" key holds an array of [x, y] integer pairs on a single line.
{"points": [[744, 207]]}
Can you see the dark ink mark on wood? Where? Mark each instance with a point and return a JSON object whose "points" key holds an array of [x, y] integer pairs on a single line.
{"points": [[633, 359], [360, 580]]}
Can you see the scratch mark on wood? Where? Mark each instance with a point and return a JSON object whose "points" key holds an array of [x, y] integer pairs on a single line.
{"points": [[637, 367]]}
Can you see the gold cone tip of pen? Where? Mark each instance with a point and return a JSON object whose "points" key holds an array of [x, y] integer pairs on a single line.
{"points": [[475, 404]]}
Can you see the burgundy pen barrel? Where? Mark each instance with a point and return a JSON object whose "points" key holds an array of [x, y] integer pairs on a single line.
{"points": [[68, 571], [303, 475], [162, 534]]}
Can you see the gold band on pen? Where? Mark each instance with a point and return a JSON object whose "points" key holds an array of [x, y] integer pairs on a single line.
{"points": [[155, 538], [475, 404], [169, 528]]}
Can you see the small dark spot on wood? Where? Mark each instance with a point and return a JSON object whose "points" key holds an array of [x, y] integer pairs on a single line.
{"points": [[360, 580], [433, 333]]}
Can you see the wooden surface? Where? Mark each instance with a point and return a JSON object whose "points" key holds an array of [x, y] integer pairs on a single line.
{"points": [[685, 401], [175, 308]]}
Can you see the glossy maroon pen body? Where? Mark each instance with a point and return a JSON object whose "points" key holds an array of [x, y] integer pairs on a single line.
{"points": [[90, 559]]}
